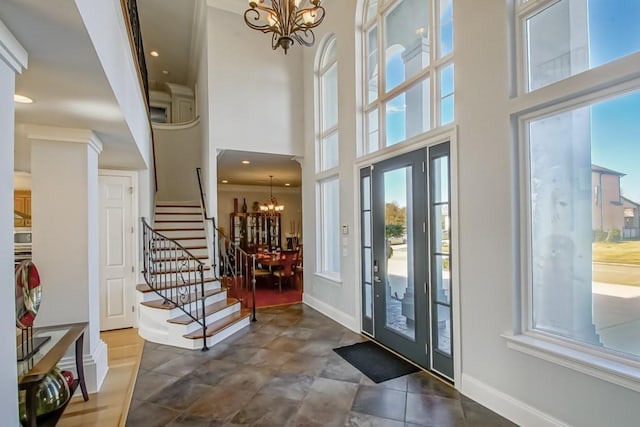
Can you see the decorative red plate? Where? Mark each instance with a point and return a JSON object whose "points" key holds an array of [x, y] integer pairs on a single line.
{"points": [[28, 294]]}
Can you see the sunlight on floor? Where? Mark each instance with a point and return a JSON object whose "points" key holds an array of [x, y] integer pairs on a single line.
{"points": [[110, 406]]}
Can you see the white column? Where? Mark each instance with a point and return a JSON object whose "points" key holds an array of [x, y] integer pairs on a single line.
{"points": [[13, 59], [65, 218]]}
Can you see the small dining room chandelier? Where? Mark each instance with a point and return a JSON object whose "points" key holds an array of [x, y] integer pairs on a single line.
{"points": [[288, 20], [272, 205]]}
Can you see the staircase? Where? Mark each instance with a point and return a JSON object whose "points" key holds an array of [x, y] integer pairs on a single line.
{"points": [[181, 287]]}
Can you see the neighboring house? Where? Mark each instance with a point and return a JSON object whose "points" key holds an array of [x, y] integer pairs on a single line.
{"points": [[610, 210], [631, 210]]}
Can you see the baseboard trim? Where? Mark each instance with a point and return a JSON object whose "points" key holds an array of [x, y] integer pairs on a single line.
{"points": [[505, 405], [96, 366], [344, 319]]}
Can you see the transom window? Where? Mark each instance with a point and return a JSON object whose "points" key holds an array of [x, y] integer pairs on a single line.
{"points": [[566, 37], [408, 47]]}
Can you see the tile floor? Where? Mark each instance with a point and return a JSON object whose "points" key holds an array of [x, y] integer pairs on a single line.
{"points": [[282, 372]]}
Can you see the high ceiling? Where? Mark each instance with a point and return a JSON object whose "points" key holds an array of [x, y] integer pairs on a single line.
{"points": [[71, 89]]}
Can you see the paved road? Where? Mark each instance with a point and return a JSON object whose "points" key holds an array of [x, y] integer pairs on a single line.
{"points": [[616, 273]]}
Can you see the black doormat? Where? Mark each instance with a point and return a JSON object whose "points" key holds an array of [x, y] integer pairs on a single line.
{"points": [[374, 361]]}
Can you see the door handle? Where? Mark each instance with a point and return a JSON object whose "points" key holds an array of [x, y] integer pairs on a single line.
{"points": [[376, 279]]}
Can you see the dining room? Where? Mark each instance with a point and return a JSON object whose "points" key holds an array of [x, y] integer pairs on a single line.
{"points": [[260, 212]]}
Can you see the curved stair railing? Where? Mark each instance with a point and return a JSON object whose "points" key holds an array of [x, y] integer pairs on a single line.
{"points": [[175, 275], [231, 265]]}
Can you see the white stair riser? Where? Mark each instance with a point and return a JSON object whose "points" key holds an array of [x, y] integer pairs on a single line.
{"points": [[195, 326], [168, 210], [152, 296], [187, 243], [159, 226], [180, 234], [184, 216], [163, 315], [163, 278], [225, 333], [173, 265], [163, 254]]}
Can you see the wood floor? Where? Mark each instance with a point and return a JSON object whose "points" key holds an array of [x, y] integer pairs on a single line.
{"points": [[110, 406]]}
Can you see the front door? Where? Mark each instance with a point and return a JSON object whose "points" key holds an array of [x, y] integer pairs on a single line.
{"points": [[405, 253], [117, 277]]}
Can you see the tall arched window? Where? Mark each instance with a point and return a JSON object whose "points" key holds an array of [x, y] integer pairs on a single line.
{"points": [[327, 156], [408, 66]]}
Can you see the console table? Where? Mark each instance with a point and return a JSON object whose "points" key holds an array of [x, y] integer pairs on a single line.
{"points": [[32, 371]]}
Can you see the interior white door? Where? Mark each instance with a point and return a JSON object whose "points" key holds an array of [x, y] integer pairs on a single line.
{"points": [[117, 279]]}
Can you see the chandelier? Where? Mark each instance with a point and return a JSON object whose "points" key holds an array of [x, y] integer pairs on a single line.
{"points": [[272, 205], [286, 19]]}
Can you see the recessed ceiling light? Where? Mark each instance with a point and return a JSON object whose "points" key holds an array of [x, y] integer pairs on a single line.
{"points": [[165, 72], [22, 99], [246, 162], [224, 181], [287, 185], [154, 53]]}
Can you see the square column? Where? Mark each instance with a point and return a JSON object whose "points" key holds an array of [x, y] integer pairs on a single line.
{"points": [[13, 59], [65, 224]]}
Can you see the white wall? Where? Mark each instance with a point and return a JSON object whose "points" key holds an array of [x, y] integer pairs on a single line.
{"points": [[289, 197], [13, 59], [339, 300], [526, 389], [106, 26], [178, 154], [255, 93]]}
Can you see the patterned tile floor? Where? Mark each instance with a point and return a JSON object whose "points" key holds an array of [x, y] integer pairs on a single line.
{"points": [[282, 371]]}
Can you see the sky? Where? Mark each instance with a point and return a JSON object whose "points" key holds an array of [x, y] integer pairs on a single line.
{"points": [[614, 31]]}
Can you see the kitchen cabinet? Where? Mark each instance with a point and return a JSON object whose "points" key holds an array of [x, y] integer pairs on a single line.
{"points": [[22, 204], [255, 230]]}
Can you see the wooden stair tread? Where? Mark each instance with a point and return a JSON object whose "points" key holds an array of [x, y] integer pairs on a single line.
{"points": [[180, 238], [220, 325], [144, 288], [160, 230], [175, 270], [192, 298], [176, 221], [208, 310], [180, 258], [176, 205], [177, 213]]}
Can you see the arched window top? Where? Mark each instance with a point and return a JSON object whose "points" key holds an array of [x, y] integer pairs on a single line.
{"points": [[329, 53], [371, 10]]}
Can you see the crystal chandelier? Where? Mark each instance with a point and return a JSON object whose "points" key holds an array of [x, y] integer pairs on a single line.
{"points": [[286, 19], [272, 205]]}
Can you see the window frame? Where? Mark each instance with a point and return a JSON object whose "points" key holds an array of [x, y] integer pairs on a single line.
{"points": [[608, 81], [432, 71]]}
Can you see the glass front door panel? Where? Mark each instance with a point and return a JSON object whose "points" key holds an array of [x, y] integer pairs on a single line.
{"points": [[399, 298]]}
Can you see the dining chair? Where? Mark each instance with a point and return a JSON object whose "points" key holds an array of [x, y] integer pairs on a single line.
{"points": [[288, 260]]}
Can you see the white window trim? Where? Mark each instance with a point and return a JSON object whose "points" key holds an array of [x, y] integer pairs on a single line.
{"points": [[606, 81], [333, 173]]}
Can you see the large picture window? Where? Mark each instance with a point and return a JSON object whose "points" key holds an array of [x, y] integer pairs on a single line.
{"points": [[580, 150], [584, 207], [408, 48]]}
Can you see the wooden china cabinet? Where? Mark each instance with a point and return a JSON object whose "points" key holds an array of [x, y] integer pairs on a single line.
{"points": [[253, 230]]}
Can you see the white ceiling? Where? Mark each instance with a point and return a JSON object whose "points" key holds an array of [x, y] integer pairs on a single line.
{"points": [[285, 169], [65, 79], [70, 89]]}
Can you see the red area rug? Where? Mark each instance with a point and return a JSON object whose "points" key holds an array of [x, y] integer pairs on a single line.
{"points": [[267, 294], [266, 297]]}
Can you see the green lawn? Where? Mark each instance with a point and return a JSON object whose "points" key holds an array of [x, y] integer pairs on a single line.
{"points": [[627, 252]]}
